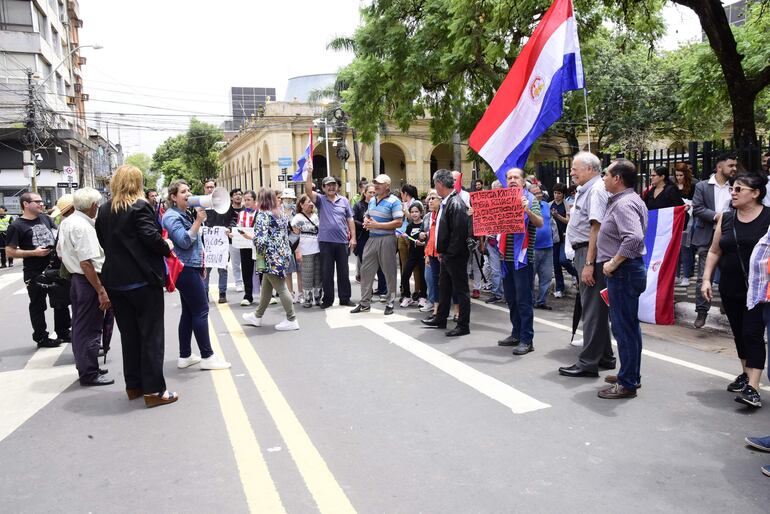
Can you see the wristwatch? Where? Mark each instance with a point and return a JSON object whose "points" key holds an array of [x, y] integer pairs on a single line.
{"points": [[588, 263]]}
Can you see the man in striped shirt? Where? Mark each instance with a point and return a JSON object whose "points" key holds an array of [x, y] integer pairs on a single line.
{"points": [[382, 218], [620, 247]]}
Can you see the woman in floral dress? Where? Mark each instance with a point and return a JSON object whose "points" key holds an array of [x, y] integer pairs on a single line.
{"points": [[271, 241]]}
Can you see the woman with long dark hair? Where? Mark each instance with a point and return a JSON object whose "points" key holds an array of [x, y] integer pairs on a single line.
{"points": [[736, 235], [133, 274], [684, 182], [184, 232], [271, 240], [662, 193]]}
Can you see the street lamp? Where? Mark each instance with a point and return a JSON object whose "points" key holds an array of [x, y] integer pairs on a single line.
{"points": [[95, 46], [316, 122]]}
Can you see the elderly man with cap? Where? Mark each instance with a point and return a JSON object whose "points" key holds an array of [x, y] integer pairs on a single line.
{"points": [[336, 237], [382, 218], [32, 237], [83, 257]]}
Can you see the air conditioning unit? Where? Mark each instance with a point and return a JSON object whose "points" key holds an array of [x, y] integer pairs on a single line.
{"points": [[84, 97], [70, 100]]}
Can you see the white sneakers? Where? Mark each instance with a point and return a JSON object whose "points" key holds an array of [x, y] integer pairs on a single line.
{"points": [[406, 302], [287, 325], [558, 294], [239, 288], [213, 362], [245, 303], [577, 342], [428, 307], [252, 319], [186, 362], [684, 282], [421, 303]]}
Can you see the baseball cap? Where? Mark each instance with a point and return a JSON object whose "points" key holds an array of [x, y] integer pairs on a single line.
{"points": [[328, 180], [381, 179], [63, 204]]}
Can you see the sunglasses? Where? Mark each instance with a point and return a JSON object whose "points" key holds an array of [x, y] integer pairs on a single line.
{"points": [[738, 189]]}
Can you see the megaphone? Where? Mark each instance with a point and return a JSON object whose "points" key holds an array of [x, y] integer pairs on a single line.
{"points": [[219, 200]]}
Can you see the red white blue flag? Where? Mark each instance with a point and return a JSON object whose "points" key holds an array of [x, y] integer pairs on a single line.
{"points": [[302, 163], [663, 241], [530, 98]]}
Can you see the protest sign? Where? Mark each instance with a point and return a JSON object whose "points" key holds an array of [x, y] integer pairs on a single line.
{"points": [[216, 246], [497, 211], [241, 242]]}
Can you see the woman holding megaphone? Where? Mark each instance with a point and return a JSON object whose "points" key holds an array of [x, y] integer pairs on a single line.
{"points": [[184, 232]]}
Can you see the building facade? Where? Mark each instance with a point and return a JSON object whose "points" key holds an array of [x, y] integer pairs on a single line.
{"points": [[41, 97]]}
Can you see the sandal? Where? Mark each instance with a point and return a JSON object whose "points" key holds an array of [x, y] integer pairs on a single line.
{"points": [[158, 399], [134, 393]]}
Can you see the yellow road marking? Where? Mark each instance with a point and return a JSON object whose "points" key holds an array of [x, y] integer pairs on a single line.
{"points": [[258, 485], [327, 493]]}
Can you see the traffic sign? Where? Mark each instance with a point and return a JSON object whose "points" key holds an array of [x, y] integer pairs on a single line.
{"points": [[285, 162], [281, 178], [73, 185], [69, 170]]}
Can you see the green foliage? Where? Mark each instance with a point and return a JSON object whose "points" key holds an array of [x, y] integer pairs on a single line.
{"points": [[192, 156], [144, 163]]}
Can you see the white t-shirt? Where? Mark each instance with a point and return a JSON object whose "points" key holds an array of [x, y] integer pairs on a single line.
{"points": [[308, 233]]}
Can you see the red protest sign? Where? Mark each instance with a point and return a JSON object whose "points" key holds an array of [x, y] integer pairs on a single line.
{"points": [[497, 211]]}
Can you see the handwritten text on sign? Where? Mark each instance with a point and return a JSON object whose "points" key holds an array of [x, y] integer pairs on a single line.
{"points": [[216, 246], [497, 211]]}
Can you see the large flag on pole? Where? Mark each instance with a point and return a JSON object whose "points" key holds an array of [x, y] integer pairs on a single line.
{"points": [[530, 98], [662, 241], [307, 157]]}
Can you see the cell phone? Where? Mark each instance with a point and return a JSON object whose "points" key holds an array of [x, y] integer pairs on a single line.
{"points": [[240, 231]]}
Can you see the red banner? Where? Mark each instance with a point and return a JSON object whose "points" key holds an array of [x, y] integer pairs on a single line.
{"points": [[497, 211]]}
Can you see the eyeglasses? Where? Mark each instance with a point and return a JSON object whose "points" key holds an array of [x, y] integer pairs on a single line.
{"points": [[37, 201], [738, 189]]}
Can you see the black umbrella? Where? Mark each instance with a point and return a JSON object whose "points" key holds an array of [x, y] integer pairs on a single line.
{"points": [[577, 313], [107, 327]]}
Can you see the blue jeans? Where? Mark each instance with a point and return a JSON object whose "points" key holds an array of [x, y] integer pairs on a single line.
{"points": [[493, 252], [195, 312], [222, 272], [624, 287], [431, 277], [544, 272], [686, 261], [517, 285], [560, 261]]}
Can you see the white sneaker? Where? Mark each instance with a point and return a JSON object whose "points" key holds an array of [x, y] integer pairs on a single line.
{"points": [[684, 282], [287, 325], [428, 307], [214, 362], [186, 362], [406, 302], [297, 297], [239, 288], [421, 303], [245, 303], [252, 319], [273, 300], [558, 294], [577, 342]]}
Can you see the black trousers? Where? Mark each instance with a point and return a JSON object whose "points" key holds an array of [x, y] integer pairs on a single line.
{"points": [[334, 255], [415, 263], [37, 307], [139, 314], [247, 270], [3, 258], [453, 280], [87, 324], [748, 329]]}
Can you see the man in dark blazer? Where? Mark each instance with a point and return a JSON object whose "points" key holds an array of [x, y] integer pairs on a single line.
{"points": [[710, 199], [452, 247]]}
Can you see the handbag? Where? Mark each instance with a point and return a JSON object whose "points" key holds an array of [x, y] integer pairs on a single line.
{"points": [[293, 241], [173, 268]]}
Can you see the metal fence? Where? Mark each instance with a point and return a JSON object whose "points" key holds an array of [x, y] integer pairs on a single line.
{"points": [[701, 156]]}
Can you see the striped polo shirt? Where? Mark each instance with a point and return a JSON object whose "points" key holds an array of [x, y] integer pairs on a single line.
{"points": [[383, 211]]}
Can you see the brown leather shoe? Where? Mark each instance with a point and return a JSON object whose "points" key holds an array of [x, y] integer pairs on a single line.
{"points": [[617, 392], [613, 379], [133, 394]]}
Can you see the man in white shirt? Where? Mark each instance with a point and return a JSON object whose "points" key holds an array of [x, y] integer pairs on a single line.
{"points": [[83, 257]]}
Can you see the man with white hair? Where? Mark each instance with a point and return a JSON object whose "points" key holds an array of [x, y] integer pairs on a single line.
{"points": [[83, 257], [582, 233]]}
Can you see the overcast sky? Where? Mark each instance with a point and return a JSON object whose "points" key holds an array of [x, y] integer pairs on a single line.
{"points": [[183, 57], [165, 60]]}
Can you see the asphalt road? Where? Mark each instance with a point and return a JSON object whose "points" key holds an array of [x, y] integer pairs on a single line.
{"points": [[375, 414]]}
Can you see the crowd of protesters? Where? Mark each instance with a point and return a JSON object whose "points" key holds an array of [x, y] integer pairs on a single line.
{"points": [[113, 263]]}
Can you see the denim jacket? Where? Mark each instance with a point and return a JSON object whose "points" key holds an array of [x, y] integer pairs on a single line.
{"points": [[188, 249]]}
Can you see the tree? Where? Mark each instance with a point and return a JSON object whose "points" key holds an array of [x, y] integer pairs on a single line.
{"points": [[144, 163], [168, 159], [745, 65], [445, 58], [192, 156]]}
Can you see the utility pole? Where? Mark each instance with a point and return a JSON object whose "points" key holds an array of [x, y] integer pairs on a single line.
{"points": [[30, 167]]}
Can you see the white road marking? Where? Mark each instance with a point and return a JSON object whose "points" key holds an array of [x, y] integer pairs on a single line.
{"points": [[501, 392], [7, 279], [21, 291], [24, 392], [648, 353]]}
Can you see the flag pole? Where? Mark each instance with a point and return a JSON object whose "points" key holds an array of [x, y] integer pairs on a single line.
{"points": [[588, 125]]}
